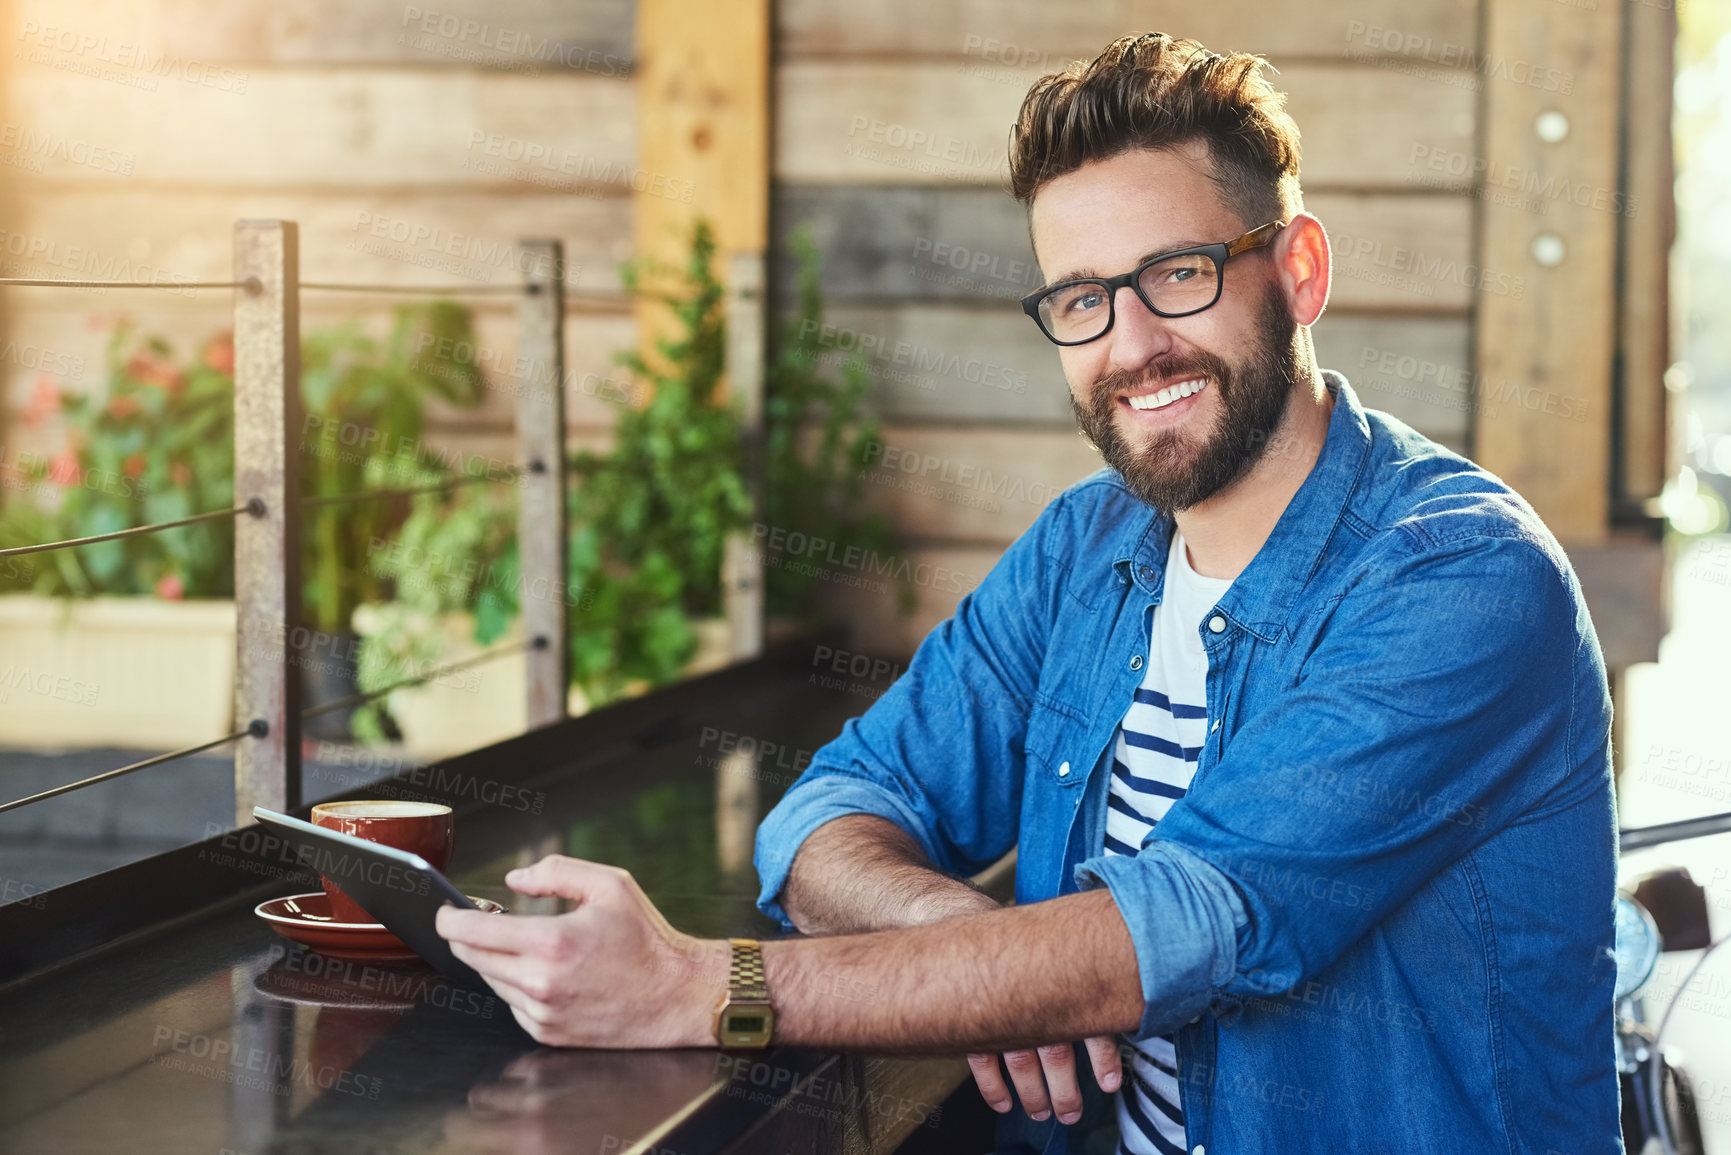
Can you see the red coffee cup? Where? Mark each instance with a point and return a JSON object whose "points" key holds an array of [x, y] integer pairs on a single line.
{"points": [[423, 828]]}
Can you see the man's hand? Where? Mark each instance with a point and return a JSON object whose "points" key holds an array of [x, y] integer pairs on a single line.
{"points": [[611, 973], [1045, 1077]]}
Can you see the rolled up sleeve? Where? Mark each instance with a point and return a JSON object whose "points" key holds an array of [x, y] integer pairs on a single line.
{"points": [[815, 800], [1184, 917]]}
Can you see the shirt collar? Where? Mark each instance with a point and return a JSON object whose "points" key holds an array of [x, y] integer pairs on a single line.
{"points": [[1260, 598]]}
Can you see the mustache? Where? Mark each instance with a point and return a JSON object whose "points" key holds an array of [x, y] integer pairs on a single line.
{"points": [[1177, 368]]}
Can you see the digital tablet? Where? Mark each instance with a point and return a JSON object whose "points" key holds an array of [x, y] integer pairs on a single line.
{"points": [[402, 890]]}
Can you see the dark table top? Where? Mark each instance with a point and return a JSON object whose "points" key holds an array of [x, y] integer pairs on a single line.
{"points": [[215, 1035]]}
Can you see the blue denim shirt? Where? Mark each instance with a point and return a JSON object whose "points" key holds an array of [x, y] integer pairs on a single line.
{"points": [[1380, 920]]}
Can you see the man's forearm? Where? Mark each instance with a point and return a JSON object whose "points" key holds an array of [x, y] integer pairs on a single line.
{"points": [[998, 980], [861, 873]]}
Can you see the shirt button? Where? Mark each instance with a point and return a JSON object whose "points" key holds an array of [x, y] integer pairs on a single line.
{"points": [[1064, 770], [1147, 571], [1214, 727], [1136, 662], [1217, 623]]}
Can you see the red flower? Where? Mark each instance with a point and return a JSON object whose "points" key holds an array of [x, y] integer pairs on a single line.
{"points": [[133, 466], [152, 372], [45, 400], [123, 407], [219, 354], [170, 588], [63, 469]]}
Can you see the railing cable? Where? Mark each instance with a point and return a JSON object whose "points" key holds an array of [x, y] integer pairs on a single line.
{"points": [[254, 507], [442, 290], [257, 729], [251, 286], [439, 671]]}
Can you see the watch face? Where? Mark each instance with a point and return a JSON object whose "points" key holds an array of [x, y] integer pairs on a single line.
{"points": [[748, 1025]]}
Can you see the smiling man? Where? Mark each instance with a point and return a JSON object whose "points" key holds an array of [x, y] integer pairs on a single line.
{"points": [[1297, 721]]}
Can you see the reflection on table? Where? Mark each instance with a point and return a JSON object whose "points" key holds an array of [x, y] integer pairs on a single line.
{"points": [[214, 1034]]}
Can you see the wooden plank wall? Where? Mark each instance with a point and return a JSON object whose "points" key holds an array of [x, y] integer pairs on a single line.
{"points": [[892, 122], [703, 115], [413, 142]]}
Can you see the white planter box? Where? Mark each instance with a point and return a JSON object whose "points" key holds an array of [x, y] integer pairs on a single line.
{"points": [[111, 671], [147, 674], [487, 703], [467, 709]]}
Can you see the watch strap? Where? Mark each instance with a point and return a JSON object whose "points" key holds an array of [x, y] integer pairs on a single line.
{"points": [[746, 978]]}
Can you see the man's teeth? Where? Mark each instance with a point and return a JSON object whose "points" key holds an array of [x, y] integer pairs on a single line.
{"points": [[1168, 395]]}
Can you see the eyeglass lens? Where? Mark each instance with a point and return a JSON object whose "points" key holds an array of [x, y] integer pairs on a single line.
{"points": [[1176, 285]]}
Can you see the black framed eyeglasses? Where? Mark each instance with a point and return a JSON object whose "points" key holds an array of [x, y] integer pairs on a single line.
{"points": [[1174, 284]]}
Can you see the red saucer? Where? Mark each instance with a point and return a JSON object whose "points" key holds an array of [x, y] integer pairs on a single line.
{"points": [[306, 919]]}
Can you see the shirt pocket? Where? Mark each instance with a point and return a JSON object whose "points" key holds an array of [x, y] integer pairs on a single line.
{"points": [[1054, 744]]}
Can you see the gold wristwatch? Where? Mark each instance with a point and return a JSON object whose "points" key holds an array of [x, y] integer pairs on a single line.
{"points": [[746, 1017]]}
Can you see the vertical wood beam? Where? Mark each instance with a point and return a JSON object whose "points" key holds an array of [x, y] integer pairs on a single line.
{"points": [[702, 133], [267, 547], [1545, 352], [541, 532], [1649, 227]]}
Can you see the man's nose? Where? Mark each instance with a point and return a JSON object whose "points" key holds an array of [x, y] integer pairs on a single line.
{"points": [[1138, 335]]}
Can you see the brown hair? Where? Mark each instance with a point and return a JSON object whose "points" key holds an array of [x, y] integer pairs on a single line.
{"points": [[1154, 91]]}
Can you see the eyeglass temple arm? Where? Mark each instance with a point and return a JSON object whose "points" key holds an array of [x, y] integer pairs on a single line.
{"points": [[1255, 237]]}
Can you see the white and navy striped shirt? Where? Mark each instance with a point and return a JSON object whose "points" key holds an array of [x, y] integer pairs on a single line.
{"points": [[1154, 756]]}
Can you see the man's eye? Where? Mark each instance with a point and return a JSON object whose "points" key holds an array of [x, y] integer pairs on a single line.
{"points": [[1173, 274], [1084, 301]]}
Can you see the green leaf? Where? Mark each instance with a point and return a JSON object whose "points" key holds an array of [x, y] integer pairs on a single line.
{"points": [[105, 560]]}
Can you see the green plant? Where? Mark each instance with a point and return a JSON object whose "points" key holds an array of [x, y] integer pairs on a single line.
{"points": [[455, 552], [160, 446], [650, 516], [649, 519], [818, 443], [362, 429]]}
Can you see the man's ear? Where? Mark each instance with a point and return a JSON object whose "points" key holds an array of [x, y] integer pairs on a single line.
{"points": [[1302, 261]]}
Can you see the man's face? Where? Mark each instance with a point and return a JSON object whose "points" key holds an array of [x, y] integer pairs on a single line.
{"points": [[1240, 356]]}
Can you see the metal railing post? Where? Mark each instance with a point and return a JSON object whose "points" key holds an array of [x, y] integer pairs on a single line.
{"points": [[267, 541], [742, 565], [541, 537]]}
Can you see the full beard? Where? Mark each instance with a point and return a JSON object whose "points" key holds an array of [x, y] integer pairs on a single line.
{"points": [[1170, 471]]}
